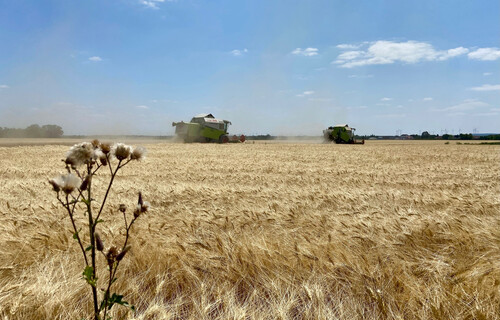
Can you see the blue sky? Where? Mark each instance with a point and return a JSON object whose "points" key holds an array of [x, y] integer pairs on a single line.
{"points": [[278, 67]]}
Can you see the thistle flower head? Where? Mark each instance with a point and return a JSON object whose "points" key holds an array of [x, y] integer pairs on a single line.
{"points": [[67, 183], [138, 153], [137, 211], [98, 154], [111, 255], [145, 206], [86, 182], [121, 151], [56, 183], [95, 143], [142, 206], [98, 242], [105, 148], [139, 201], [79, 154], [122, 254]]}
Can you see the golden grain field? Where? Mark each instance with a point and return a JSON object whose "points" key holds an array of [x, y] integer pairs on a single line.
{"points": [[385, 230]]}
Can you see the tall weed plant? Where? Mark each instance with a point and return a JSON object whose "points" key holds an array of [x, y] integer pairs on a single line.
{"points": [[74, 190]]}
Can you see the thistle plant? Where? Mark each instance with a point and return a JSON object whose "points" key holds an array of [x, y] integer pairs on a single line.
{"points": [[74, 191]]}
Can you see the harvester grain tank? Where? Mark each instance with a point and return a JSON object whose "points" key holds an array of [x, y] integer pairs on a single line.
{"points": [[205, 128], [341, 133]]}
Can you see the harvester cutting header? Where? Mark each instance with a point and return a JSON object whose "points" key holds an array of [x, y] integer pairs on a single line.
{"points": [[205, 128], [341, 133]]}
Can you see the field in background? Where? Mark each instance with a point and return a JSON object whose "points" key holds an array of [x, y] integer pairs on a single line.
{"points": [[385, 230]]}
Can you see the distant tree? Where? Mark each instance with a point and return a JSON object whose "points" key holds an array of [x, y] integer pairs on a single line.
{"points": [[52, 131], [466, 136], [33, 131], [425, 135], [447, 136]]}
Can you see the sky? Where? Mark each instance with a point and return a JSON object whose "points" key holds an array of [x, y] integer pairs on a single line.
{"points": [[270, 67]]}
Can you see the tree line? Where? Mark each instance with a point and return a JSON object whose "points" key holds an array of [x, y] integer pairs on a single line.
{"points": [[33, 131]]}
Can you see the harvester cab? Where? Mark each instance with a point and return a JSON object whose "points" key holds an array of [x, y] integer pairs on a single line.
{"points": [[341, 133], [203, 128]]}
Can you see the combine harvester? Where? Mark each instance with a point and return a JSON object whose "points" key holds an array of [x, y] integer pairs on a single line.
{"points": [[341, 133], [205, 128]]}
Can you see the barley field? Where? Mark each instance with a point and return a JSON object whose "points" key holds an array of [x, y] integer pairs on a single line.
{"points": [[385, 230]]}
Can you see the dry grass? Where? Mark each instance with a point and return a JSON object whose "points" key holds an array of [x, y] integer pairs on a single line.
{"points": [[399, 230]]}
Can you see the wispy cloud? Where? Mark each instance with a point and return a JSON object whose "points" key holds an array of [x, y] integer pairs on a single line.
{"points": [[428, 99], [142, 107], [485, 54], [237, 52], [487, 74], [305, 93], [153, 4], [469, 104], [320, 99], [346, 46], [4, 86], [361, 76], [95, 59], [486, 87], [389, 52], [487, 114], [386, 99], [308, 52], [391, 115], [358, 107]]}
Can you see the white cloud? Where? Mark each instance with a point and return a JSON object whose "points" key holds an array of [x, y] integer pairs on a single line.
{"points": [[4, 86], [485, 54], [445, 55], [386, 99], [320, 99], [388, 52], [358, 107], [95, 59], [142, 107], [486, 87], [305, 93], [428, 99], [361, 76], [456, 114], [469, 104], [486, 114], [345, 46], [487, 73], [308, 52], [238, 52], [350, 55], [153, 4]]}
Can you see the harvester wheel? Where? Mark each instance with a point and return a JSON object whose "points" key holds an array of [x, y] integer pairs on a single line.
{"points": [[223, 139]]}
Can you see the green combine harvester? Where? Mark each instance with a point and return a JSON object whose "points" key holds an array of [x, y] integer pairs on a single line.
{"points": [[205, 128], [341, 133]]}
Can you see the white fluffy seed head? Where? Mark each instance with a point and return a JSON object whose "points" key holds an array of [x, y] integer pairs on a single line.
{"points": [[80, 153], [69, 183], [121, 151], [138, 153], [145, 206], [57, 183]]}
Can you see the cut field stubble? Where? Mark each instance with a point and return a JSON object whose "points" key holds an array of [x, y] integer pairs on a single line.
{"points": [[270, 231]]}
